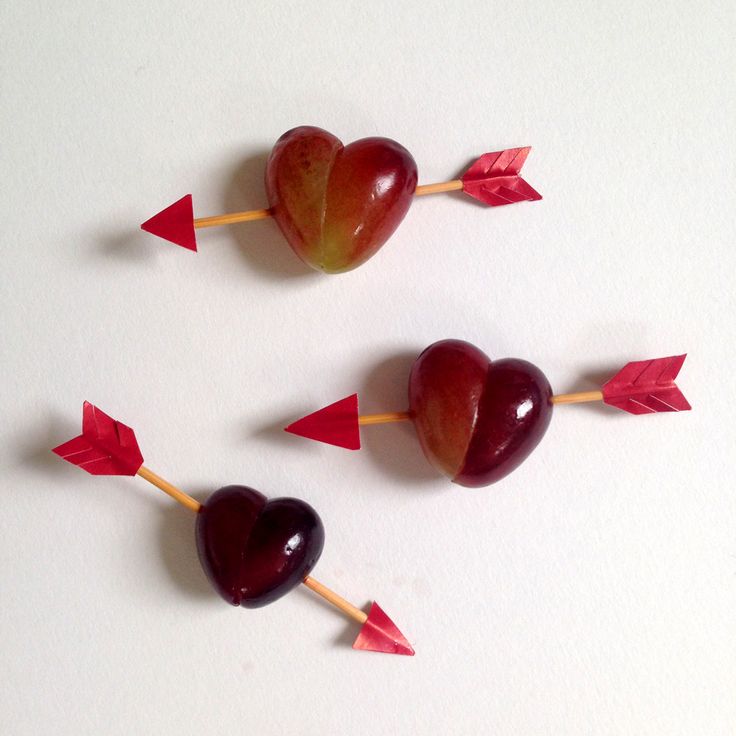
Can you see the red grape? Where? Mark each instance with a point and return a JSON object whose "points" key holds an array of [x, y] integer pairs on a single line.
{"points": [[477, 420], [255, 550]]}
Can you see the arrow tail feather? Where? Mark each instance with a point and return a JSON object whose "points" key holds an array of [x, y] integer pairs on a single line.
{"points": [[516, 159], [494, 178], [105, 447], [72, 448], [508, 162], [665, 372], [647, 386]]}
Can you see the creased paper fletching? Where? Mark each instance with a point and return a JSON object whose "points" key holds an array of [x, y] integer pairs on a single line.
{"points": [[494, 178], [105, 447], [647, 386]]}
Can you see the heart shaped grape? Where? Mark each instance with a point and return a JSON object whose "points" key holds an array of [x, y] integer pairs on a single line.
{"points": [[337, 205], [254, 550], [477, 419]]}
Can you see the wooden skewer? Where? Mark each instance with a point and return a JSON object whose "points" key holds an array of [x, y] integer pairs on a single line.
{"points": [[577, 398], [402, 416], [251, 215], [338, 601], [193, 505], [443, 186], [392, 416], [183, 498], [247, 216]]}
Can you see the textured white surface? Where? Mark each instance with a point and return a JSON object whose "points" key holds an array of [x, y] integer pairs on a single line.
{"points": [[593, 591]]}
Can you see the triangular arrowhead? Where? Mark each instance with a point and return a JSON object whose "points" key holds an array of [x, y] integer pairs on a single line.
{"points": [[336, 424], [175, 224], [380, 634]]}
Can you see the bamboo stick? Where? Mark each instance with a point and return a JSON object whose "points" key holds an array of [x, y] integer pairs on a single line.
{"points": [[577, 398], [338, 601], [183, 498], [392, 416]]}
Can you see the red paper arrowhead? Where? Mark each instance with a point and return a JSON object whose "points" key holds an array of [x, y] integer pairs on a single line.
{"points": [[105, 447], [379, 634], [494, 178], [336, 424], [175, 224], [647, 386]]}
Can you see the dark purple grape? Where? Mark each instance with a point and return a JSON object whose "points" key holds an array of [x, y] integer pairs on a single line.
{"points": [[255, 550]]}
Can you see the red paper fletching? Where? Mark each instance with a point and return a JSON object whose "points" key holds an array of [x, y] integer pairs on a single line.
{"points": [[494, 178], [175, 224], [379, 634], [336, 424], [647, 386], [105, 447]]}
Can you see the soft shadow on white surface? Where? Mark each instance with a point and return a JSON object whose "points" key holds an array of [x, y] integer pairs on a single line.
{"points": [[34, 449], [261, 242], [179, 550], [347, 636], [393, 448], [274, 431], [129, 244]]}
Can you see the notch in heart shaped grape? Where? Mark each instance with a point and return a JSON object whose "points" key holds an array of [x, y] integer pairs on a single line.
{"points": [[478, 419], [338, 204], [253, 550]]}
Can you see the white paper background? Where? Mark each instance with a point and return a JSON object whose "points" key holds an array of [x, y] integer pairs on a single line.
{"points": [[593, 591]]}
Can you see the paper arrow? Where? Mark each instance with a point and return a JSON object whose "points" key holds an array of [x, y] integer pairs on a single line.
{"points": [[105, 447], [647, 387], [109, 447], [492, 179], [640, 387], [379, 634]]}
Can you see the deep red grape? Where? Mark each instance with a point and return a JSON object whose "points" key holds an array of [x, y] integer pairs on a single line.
{"points": [[255, 550], [477, 420]]}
